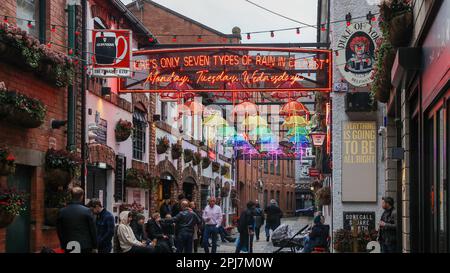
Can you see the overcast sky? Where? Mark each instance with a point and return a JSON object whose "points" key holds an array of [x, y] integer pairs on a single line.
{"points": [[223, 15]]}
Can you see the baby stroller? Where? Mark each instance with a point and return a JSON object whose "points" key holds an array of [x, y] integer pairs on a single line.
{"points": [[282, 238]]}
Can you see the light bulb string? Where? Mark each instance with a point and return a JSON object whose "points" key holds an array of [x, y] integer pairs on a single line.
{"points": [[53, 26]]}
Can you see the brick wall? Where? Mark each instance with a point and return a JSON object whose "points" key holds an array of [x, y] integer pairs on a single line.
{"points": [[249, 174], [30, 145], [161, 22]]}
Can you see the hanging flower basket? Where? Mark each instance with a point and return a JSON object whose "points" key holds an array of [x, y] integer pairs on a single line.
{"points": [[206, 162], [188, 155], [137, 179], [21, 110], [343, 240], [216, 167], [6, 218], [61, 167], [400, 29], [177, 150], [54, 201], [324, 196], [21, 49], [163, 145], [381, 87], [123, 130], [12, 203], [197, 158], [7, 159], [224, 170]]}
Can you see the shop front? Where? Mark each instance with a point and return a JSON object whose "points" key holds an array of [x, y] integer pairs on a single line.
{"points": [[424, 136]]}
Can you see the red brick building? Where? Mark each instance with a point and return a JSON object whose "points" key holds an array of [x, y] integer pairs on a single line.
{"points": [[265, 180], [28, 145]]}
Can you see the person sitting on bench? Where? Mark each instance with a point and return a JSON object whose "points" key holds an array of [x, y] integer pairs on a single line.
{"points": [[318, 235]]}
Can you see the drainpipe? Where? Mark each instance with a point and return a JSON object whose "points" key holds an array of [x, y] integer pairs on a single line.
{"points": [[71, 96], [83, 91]]}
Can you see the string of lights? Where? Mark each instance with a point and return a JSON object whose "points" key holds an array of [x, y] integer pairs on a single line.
{"points": [[370, 17]]}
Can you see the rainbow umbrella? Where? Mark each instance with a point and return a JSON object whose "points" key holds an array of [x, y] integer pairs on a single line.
{"points": [[226, 131], [295, 121], [299, 130], [215, 121], [304, 140], [253, 122], [236, 140], [246, 108], [294, 108]]}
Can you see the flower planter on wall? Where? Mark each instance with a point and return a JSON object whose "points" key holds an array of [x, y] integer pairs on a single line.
{"points": [[188, 155], [400, 29], [176, 151], [123, 130], [197, 158], [215, 167], [51, 215], [6, 168], [206, 162], [21, 110], [57, 177], [6, 218]]}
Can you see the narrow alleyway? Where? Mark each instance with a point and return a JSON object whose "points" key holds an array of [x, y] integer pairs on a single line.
{"points": [[261, 246]]}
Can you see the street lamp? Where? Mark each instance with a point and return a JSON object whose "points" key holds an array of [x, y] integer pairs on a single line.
{"points": [[318, 137]]}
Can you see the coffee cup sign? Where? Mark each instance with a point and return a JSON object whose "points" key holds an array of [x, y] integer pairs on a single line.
{"points": [[112, 53]]}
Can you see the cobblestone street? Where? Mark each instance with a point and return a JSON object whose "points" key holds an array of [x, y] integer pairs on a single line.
{"points": [[261, 246]]}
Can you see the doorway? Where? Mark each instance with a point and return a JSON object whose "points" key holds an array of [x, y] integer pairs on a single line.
{"points": [[188, 188], [18, 233], [96, 184]]}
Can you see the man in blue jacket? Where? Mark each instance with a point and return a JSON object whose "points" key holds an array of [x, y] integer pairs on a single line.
{"points": [[105, 225]]}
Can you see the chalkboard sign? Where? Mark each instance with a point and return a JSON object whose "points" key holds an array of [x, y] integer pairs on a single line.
{"points": [[120, 177], [365, 220], [102, 131]]}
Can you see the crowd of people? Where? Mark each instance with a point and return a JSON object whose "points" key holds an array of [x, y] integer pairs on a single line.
{"points": [[180, 227]]}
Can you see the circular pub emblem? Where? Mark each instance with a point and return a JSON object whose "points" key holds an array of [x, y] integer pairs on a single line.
{"points": [[356, 57]]}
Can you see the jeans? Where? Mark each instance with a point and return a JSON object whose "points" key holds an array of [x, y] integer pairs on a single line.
{"points": [[210, 232], [257, 230], [307, 245], [222, 233], [184, 242], [141, 250]]}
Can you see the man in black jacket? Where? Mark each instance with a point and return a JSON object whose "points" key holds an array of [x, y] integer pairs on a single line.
{"points": [[176, 208], [246, 229], [75, 223], [105, 225], [273, 219], [185, 222], [156, 231], [388, 226]]}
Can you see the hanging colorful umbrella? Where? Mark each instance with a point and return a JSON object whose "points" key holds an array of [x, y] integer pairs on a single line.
{"points": [[260, 131], [294, 108], [253, 122], [295, 121], [304, 140], [212, 109], [195, 107], [245, 108], [236, 140], [215, 121], [226, 131], [298, 130]]}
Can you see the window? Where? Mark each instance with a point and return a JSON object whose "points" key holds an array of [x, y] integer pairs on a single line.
{"points": [[287, 200], [272, 167], [164, 111], [266, 166], [28, 9], [278, 167], [265, 201], [272, 195], [278, 198], [140, 125]]}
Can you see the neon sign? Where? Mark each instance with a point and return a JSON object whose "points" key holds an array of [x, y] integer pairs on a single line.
{"points": [[211, 69]]}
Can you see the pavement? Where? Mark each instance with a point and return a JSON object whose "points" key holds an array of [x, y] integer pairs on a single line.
{"points": [[261, 246]]}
